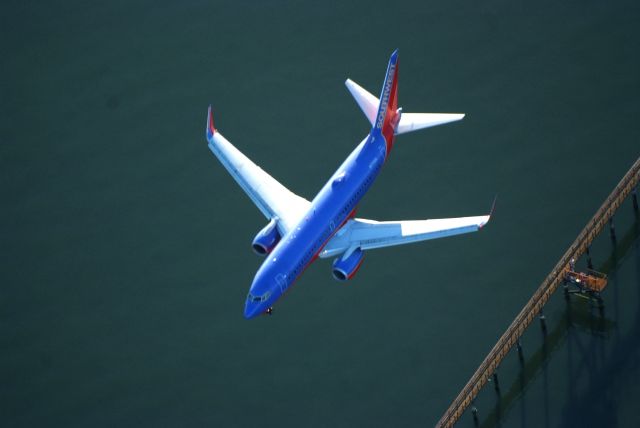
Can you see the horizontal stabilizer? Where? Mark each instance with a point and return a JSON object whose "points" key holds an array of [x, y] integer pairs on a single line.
{"points": [[408, 121], [414, 121], [365, 99]]}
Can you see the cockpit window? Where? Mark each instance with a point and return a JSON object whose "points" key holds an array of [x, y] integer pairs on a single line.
{"points": [[262, 298]]}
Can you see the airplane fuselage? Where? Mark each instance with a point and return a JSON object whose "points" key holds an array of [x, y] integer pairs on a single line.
{"points": [[330, 209]]}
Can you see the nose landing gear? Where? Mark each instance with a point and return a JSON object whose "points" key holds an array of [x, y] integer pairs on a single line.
{"points": [[269, 311]]}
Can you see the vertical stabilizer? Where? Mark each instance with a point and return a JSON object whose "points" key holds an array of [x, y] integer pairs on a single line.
{"points": [[387, 116]]}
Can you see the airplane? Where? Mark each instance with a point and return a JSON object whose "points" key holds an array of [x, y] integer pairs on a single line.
{"points": [[299, 231]]}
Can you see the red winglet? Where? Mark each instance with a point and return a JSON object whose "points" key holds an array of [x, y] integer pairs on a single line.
{"points": [[210, 126]]}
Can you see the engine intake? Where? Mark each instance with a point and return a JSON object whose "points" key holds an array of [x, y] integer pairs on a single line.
{"points": [[344, 270], [267, 239]]}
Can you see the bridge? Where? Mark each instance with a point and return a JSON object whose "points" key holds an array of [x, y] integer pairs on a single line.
{"points": [[534, 306]]}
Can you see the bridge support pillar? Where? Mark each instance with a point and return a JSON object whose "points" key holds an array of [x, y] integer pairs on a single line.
{"points": [[543, 322], [474, 412], [496, 384], [635, 200], [589, 263], [520, 353], [612, 230]]}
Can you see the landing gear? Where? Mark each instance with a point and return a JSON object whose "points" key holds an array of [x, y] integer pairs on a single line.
{"points": [[269, 311]]}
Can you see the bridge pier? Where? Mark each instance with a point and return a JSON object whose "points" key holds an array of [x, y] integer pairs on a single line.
{"points": [[520, 353], [635, 200], [589, 263], [612, 230]]}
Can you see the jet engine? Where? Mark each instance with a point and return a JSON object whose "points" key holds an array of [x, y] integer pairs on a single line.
{"points": [[266, 240], [344, 269]]}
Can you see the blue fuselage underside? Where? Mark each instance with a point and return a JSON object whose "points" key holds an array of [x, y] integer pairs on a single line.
{"points": [[329, 210]]}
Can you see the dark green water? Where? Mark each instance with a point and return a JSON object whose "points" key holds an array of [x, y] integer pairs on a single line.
{"points": [[126, 247]]}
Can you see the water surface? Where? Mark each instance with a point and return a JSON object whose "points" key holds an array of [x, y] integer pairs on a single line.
{"points": [[126, 246]]}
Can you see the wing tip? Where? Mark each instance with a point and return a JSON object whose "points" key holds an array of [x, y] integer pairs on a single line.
{"points": [[211, 129], [488, 217]]}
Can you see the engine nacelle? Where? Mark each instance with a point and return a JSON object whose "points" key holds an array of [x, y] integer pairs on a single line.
{"points": [[267, 239], [347, 268]]}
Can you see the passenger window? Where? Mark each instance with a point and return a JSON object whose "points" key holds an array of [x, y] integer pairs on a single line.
{"points": [[281, 280]]}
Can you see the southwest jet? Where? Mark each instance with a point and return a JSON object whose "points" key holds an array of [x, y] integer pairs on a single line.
{"points": [[299, 231]]}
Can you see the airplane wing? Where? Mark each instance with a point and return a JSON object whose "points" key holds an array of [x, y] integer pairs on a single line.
{"points": [[370, 234], [273, 199]]}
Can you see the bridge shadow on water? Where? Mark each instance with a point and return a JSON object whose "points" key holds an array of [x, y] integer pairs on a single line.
{"points": [[596, 352]]}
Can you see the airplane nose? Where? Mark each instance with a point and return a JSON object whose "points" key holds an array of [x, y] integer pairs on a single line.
{"points": [[251, 310], [260, 295]]}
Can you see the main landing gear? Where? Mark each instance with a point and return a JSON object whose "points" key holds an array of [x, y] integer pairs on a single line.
{"points": [[269, 311]]}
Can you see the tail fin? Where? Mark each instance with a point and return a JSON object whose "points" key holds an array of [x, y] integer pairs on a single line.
{"points": [[387, 116], [404, 122]]}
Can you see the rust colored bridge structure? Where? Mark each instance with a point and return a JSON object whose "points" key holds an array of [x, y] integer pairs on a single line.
{"points": [[534, 306]]}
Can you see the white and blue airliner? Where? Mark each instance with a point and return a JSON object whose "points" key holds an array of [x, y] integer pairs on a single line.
{"points": [[299, 231]]}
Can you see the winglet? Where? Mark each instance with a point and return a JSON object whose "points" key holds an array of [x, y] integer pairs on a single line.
{"points": [[211, 129], [493, 207]]}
